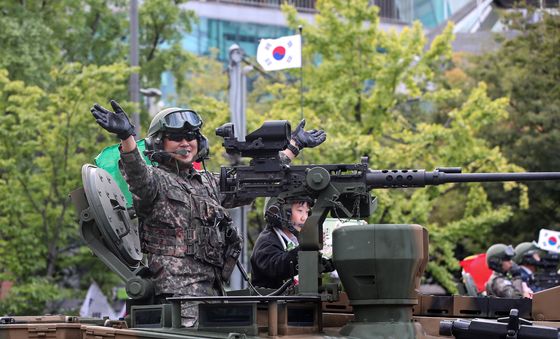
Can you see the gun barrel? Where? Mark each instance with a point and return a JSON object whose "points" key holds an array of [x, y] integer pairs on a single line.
{"points": [[421, 178], [488, 177]]}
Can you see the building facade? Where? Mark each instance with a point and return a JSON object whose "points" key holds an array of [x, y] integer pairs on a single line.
{"points": [[244, 22]]}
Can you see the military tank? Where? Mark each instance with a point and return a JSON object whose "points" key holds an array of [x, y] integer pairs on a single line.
{"points": [[380, 298]]}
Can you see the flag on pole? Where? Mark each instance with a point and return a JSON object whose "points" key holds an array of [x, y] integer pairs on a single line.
{"points": [[549, 240], [476, 266], [281, 53]]}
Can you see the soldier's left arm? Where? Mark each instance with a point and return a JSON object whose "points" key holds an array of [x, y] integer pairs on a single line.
{"points": [[505, 289], [301, 139]]}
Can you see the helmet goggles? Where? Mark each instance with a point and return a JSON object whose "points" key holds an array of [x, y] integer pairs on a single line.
{"points": [[509, 253], [182, 120]]}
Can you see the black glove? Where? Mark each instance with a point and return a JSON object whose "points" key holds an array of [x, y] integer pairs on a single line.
{"points": [[310, 138], [117, 122], [327, 265]]}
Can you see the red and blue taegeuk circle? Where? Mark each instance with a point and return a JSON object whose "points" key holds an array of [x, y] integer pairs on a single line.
{"points": [[279, 52], [552, 240]]}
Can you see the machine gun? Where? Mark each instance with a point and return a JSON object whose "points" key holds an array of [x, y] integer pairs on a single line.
{"points": [[341, 189]]}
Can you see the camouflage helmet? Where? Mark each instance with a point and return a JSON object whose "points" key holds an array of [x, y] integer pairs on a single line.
{"points": [[176, 119], [498, 253], [524, 253], [268, 202]]}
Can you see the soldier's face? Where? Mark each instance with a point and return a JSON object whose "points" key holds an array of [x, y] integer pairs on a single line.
{"points": [[506, 265], [300, 212], [175, 144]]}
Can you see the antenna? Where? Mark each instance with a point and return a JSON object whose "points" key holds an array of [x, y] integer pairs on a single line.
{"points": [[301, 70]]}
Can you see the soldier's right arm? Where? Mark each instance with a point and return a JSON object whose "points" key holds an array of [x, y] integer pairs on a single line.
{"points": [[128, 144], [138, 175]]}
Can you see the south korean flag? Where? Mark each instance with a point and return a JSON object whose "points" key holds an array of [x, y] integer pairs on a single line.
{"points": [[281, 53], [549, 240]]}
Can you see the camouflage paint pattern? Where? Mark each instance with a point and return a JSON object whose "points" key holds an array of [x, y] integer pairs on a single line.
{"points": [[499, 285], [183, 227]]}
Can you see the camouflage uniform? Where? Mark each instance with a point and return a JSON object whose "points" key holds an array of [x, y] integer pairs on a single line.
{"points": [[499, 285], [183, 228]]}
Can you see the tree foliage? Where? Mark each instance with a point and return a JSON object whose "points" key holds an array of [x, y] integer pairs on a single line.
{"points": [[30, 298], [375, 93], [57, 59], [162, 26], [526, 69], [37, 35], [46, 137]]}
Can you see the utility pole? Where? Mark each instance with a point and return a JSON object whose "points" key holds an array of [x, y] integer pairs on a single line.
{"points": [[237, 91], [237, 107], [134, 82]]}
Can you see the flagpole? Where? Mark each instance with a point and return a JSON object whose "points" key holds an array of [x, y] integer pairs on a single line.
{"points": [[301, 70]]}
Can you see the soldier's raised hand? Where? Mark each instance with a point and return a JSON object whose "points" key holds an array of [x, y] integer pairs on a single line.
{"points": [[311, 138], [116, 122]]}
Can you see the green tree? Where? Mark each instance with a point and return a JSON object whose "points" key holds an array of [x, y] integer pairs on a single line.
{"points": [[46, 137], [206, 92], [370, 92], [53, 67], [526, 69], [162, 24], [30, 298], [35, 37]]}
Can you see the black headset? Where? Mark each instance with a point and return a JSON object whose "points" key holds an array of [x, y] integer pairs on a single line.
{"points": [[155, 152]]}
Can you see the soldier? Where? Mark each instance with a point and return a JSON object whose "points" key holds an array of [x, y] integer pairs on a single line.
{"points": [[275, 255], [185, 229], [528, 258], [498, 258]]}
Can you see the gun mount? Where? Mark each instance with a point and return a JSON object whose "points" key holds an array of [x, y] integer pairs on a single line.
{"points": [[341, 189]]}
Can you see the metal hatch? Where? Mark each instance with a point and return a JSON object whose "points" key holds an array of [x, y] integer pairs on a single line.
{"points": [[108, 207]]}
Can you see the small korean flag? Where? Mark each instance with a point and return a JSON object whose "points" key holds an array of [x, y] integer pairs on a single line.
{"points": [[549, 240], [281, 53]]}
